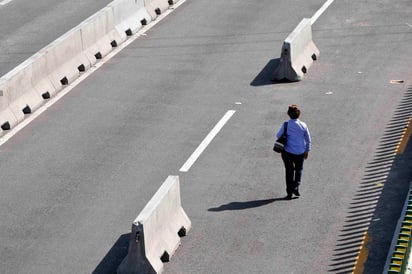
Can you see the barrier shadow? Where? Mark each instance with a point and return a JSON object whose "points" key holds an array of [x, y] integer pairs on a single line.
{"points": [[365, 239], [265, 77], [114, 257], [245, 205]]}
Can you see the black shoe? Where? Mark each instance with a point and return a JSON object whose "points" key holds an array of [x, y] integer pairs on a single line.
{"points": [[288, 197], [296, 192]]}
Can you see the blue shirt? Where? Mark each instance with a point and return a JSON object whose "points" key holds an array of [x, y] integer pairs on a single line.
{"points": [[298, 137]]}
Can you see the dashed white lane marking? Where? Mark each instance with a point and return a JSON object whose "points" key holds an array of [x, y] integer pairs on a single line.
{"points": [[199, 150], [320, 11], [83, 76]]}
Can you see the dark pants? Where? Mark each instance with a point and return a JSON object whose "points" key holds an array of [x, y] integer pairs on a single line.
{"points": [[294, 167]]}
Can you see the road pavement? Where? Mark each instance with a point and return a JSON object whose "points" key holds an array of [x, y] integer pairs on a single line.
{"points": [[75, 178]]}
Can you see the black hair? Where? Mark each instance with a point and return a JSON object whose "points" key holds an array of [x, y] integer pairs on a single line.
{"points": [[293, 111]]}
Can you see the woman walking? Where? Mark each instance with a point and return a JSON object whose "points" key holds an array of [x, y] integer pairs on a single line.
{"points": [[296, 150]]}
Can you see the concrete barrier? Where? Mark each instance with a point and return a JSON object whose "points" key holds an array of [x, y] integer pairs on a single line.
{"points": [[20, 96], [41, 78], [23, 97], [156, 231], [65, 58], [157, 7], [47, 72], [24, 89], [129, 16], [99, 35], [7, 118], [298, 53]]}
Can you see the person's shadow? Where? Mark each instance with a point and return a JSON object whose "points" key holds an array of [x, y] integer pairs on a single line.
{"points": [[245, 205]]}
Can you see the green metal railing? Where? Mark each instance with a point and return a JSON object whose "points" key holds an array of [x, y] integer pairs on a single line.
{"points": [[403, 240]]}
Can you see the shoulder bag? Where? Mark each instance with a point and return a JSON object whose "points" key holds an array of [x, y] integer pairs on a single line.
{"points": [[280, 143]]}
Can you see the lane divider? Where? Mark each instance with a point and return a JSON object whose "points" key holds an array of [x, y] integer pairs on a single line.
{"points": [[51, 101], [203, 145], [320, 11]]}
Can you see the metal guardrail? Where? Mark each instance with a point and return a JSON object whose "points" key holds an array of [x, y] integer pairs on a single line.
{"points": [[400, 252]]}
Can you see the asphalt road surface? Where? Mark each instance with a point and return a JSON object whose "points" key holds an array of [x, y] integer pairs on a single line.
{"points": [[28, 26], [75, 178]]}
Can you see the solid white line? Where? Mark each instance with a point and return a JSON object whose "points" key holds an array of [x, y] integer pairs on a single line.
{"points": [[320, 11], [199, 150], [4, 2], [8, 135]]}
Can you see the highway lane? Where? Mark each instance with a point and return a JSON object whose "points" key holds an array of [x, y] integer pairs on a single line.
{"points": [[28, 26], [74, 179]]}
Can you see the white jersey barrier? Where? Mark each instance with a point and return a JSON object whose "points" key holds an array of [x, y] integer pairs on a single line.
{"points": [[25, 88], [99, 35], [157, 7], [65, 58], [6, 116], [156, 231], [130, 16], [42, 75], [298, 53]]}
